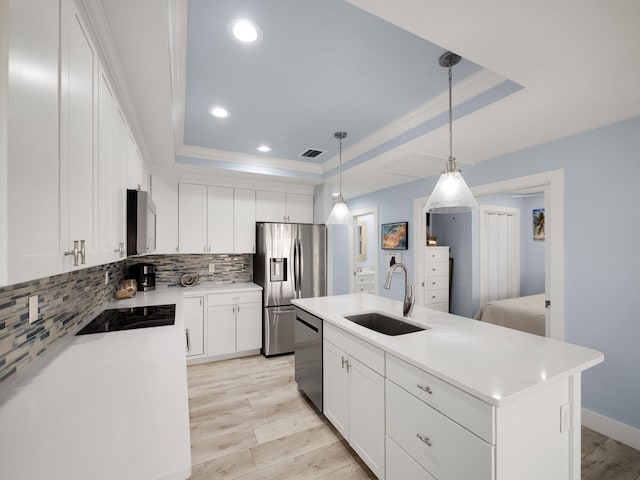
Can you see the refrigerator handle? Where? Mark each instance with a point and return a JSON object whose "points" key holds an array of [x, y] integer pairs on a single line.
{"points": [[295, 268], [300, 268]]}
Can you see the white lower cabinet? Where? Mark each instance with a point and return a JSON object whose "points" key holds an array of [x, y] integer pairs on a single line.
{"points": [[234, 324], [221, 330], [194, 325], [401, 466], [353, 394], [436, 442]]}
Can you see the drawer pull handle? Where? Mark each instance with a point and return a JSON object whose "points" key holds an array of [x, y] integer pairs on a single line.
{"points": [[425, 389], [424, 439]]}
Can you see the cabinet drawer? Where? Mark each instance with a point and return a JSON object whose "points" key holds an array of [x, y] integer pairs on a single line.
{"points": [[230, 298], [434, 255], [436, 296], [371, 356], [436, 269], [469, 411], [441, 307], [367, 287], [437, 282], [366, 278], [400, 466], [446, 450]]}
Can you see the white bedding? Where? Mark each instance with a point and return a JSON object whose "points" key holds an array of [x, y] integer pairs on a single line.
{"points": [[521, 313]]}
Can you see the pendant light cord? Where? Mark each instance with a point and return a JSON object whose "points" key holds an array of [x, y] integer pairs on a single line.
{"points": [[341, 169], [450, 118]]}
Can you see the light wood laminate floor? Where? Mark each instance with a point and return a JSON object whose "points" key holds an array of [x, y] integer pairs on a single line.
{"points": [[249, 422]]}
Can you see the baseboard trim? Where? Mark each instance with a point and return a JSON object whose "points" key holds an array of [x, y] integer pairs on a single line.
{"points": [[611, 428]]}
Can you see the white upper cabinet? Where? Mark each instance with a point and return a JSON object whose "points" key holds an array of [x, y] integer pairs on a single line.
{"points": [[29, 140], [69, 154], [220, 220], [244, 220], [110, 204], [299, 208], [164, 194], [284, 207], [192, 218], [216, 219], [78, 134]]}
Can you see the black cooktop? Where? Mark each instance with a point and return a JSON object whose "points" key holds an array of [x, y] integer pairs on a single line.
{"points": [[130, 318]]}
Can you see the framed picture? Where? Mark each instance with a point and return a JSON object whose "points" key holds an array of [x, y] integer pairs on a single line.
{"points": [[538, 224], [395, 236]]}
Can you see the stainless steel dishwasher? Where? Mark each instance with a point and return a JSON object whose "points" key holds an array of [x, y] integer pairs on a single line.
{"points": [[308, 352]]}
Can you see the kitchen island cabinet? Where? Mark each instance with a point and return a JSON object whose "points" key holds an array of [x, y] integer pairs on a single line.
{"points": [[353, 394], [462, 398]]}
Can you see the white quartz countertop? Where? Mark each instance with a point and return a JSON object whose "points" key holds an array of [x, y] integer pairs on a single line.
{"points": [[206, 288], [493, 363], [102, 406]]}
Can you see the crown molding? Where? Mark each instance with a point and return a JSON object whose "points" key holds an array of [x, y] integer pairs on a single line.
{"points": [[205, 176], [248, 159]]}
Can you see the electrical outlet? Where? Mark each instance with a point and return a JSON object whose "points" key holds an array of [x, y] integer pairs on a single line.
{"points": [[212, 268], [106, 277], [33, 308]]}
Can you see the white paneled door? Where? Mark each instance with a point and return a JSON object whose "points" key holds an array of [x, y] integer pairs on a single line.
{"points": [[499, 253]]}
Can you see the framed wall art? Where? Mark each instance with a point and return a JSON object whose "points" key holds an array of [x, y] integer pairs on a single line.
{"points": [[395, 236]]}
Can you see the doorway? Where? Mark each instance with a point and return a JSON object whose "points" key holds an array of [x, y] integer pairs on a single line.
{"points": [[364, 251], [552, 184]]}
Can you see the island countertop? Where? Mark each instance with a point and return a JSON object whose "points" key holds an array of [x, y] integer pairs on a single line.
{"points": [[103, 406], [493, 363]]}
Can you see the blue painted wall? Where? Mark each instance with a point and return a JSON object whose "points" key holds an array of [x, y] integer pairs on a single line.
{"points": [[602, 287]]}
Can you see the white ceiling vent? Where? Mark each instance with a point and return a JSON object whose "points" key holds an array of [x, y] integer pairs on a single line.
{"points": [[311, 153]]}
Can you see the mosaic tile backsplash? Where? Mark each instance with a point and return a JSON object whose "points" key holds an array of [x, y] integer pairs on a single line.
{"points": [[228, 268], [67, 299], [64, 301]]}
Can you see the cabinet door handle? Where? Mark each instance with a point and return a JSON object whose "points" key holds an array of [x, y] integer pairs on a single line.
{"points": [[75, 252], [201, 302], [424, 439], [186, 333], [425, 388], [345, 362], [83, 252]]}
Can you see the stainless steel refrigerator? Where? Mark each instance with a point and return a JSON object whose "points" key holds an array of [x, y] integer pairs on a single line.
{"points": [[290, 262]]}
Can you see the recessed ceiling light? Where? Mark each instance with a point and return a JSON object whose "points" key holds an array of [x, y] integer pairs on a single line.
{"points": [[264, 148], [219, 112], [245, 31]]}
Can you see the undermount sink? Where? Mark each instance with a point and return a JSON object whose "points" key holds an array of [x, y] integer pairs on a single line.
{"points": [[381, 323]]}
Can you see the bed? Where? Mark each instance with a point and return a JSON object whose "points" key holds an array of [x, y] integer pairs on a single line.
{"points": [[522, 313]]}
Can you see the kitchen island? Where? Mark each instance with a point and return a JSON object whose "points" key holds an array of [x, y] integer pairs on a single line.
{"points": [[461, 399], [102, 406]]}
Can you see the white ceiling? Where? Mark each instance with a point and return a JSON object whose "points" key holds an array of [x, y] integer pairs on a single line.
{"points": [[575, 61]]}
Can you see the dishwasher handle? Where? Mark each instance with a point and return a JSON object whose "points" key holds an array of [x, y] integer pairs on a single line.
{"points": [[315, 329]]}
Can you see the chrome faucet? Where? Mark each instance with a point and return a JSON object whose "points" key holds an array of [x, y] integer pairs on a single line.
{"points": [[409, 299]]}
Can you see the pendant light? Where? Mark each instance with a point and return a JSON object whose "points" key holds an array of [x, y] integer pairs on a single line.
{"points": [[451, 194], [340, 214]]}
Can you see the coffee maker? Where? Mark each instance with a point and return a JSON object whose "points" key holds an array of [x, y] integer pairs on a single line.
{"points": [[145, 276]]}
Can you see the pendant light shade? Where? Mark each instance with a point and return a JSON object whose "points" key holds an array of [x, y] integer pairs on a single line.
{"points": [[451, 194], [340, 214]]}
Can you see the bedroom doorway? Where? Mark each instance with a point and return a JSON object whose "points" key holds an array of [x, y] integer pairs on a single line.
{"points": [[552, 184]]}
